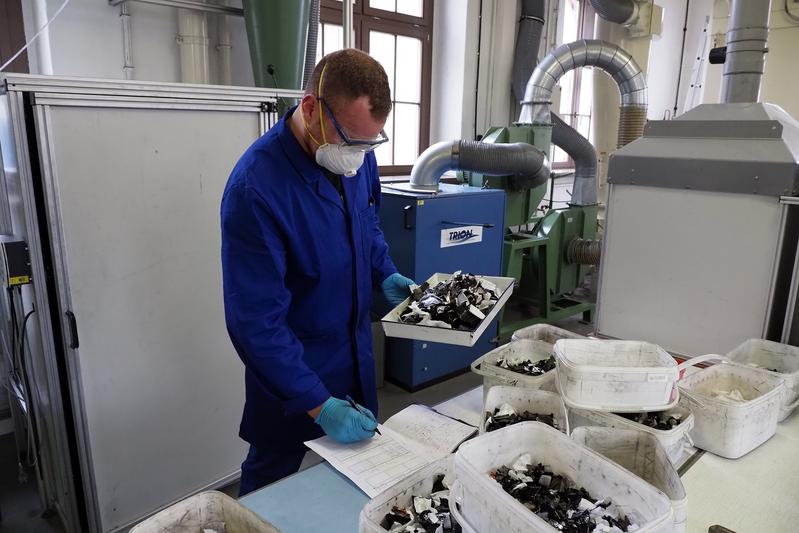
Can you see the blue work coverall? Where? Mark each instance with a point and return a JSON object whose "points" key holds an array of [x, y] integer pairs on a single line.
{"points": [[299, 266]]}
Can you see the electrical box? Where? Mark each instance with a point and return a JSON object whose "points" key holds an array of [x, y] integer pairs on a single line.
{"points": [[16, 263]]}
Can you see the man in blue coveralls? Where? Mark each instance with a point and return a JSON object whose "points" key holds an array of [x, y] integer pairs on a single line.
{"points": [[301, 253]]}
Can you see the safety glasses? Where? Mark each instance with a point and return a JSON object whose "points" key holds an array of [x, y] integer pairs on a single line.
{"points": [[365, 145]]}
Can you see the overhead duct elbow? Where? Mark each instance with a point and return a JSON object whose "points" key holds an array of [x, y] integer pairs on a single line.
{"points": [[615, 61], [618, 11], [526, 165]]}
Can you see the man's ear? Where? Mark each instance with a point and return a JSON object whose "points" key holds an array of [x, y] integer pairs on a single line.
{"points": [[308, 106]]}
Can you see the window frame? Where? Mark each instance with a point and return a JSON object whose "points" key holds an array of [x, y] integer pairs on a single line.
{"points": [[366, 19]]}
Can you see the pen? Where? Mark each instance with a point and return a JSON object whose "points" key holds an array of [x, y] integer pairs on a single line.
{"points": [[355, 406]]}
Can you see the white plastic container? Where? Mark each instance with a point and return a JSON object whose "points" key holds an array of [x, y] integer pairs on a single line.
{"points": [[489, 509], [493, 374], [544, 332], [725, 427], [419, 483], [674, 441], [762, 355], [533, 400], [207, 510], [620, 376], [641, 454], [394, 328]]}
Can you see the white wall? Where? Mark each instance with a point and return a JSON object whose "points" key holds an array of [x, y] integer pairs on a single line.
{"points": [[779, 77], [86, 40]]}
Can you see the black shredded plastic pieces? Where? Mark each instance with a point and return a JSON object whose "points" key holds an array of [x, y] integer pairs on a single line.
{"points": [[553, 498], [529, 367], [497, 421], [656, 420], [427, 514], [461, 302]]}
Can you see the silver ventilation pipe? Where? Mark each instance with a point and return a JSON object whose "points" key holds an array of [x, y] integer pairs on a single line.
{"points": [[618, 11], [583, 154], [528, 41], [311, 43], [746, 50], [527, 165], [619, 64]]}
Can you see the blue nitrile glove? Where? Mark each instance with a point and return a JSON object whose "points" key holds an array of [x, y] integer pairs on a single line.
{"points": [[344, 424], [396, 288]]}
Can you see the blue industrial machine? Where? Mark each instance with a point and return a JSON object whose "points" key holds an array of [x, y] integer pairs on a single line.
{"points": [[458, 228]]}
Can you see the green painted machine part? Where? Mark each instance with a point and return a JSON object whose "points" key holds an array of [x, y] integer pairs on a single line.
{"points": [[538, 257], [277, 31]]}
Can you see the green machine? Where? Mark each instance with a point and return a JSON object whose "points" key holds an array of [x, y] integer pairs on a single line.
{"points": [[549, 253]]}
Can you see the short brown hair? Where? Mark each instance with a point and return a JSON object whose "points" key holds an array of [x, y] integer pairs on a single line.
{"points": [[350, 74]]}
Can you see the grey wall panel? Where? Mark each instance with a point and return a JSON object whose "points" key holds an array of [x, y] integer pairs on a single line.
{"points": [[689, 270], [138, 195]]}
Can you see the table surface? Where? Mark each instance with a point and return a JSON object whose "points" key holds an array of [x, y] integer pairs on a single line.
{"points": [[754, 493]]}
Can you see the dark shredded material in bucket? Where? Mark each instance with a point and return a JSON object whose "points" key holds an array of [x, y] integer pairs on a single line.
{"points": [[427, 514], [505, 415], [527, 366], [656, 420]]}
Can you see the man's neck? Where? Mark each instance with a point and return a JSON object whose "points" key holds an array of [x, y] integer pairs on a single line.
{"points": [[298, 129]]}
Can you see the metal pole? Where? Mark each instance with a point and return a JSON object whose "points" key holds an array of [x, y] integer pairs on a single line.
{"points": [[127, 41], [347, 22], [746, 49]]}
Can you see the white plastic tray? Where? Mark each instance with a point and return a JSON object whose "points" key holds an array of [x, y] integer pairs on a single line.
{"points": [[394, 328], [761, 355], [420, 483], [489, 509], [725, 427], [533, 400], [674, 440], [493, 375], [641, 454]]}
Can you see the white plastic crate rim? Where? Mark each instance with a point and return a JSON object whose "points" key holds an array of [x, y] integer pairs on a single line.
{"points": [[419, 483], [394, 328], [732, 428], [621, 376], [778, 360], [209, 510], [674, 441], [641, 454], [489, 509], [533, 400], [493, 374], [544, 332]]}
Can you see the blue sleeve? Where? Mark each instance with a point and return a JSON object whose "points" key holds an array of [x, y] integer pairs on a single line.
{"points": [[257, 301], [382, 265]]}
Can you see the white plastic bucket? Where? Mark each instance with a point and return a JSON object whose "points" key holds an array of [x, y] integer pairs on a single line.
{"points": [[207, 510], [725, 427], [493, 374], [619, 376], [401, 494], [533, 400], [455, 504], [489, 509], [761, 355], [641, 454], [544, 332], [674, 441]]}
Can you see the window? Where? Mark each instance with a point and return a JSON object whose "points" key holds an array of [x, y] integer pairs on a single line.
{"points": [[577, 86], [398, 34]]}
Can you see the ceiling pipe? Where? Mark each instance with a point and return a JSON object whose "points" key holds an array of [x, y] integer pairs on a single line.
{"points": [[746, 50], [618, 11]]}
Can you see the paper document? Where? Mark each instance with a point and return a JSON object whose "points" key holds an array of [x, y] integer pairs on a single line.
{"points": [[412, 439]]}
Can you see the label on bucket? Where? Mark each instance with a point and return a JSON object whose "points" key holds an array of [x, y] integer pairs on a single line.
{"points": [[661, 378]]}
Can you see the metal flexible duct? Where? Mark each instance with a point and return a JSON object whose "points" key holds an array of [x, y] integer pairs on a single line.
{"points": [[527, 165], [583, 154], [619, 64], [528, 41], [618, 11], [746, 50], [311, 43]]}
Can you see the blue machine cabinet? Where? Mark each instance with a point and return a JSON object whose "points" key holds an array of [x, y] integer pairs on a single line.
{"points": [[460, 228]]}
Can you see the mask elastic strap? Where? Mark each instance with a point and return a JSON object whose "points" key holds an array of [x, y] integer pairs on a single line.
{"points": [[305, 125], [318, 98]]}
